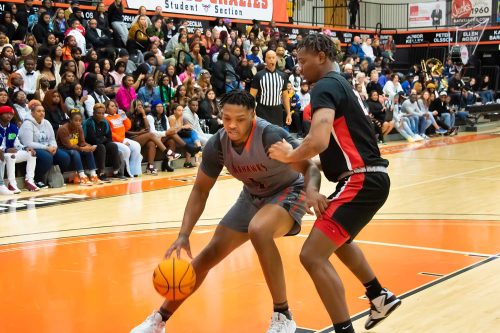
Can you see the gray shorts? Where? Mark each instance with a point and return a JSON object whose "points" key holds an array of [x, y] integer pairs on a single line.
{"points": [[292, 199]]}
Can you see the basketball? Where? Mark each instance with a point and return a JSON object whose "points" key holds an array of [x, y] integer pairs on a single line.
{"points": [[174, 279]]}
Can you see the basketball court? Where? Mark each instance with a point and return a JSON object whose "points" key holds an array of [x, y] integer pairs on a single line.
{"points": [[81, 259]]}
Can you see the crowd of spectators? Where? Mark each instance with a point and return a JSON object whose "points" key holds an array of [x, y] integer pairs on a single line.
{"points": [[85, 95]]}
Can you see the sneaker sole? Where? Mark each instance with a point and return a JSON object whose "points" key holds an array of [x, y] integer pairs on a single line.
{"points": [[378, 321]]}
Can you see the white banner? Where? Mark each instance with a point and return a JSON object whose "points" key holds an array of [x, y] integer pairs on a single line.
{"points": [[427, 14], [465, 9], [261, 10]]}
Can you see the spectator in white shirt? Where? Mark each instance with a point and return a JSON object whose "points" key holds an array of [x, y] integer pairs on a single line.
{"points": [[29, 76], [368, 50], [392, 87]]}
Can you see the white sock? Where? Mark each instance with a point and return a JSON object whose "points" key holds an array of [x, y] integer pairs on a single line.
{"points": [[81, 174], [92, 173]]}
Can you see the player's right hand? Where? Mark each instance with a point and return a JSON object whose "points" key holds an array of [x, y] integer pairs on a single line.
{"points": [[182, 242]]}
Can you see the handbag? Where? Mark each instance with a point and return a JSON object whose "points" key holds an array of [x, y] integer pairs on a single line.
{"points": [[54, 177]]}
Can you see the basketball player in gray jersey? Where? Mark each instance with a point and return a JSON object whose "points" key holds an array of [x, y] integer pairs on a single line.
{"points": [[274, 199]]}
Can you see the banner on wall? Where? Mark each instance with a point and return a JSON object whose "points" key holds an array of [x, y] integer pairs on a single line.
{"points": [[428, 38], [239, 9], [429, 14], [464, 10]]}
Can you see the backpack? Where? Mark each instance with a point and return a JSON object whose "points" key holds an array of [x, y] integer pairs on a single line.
{"points": [[54, 177]]}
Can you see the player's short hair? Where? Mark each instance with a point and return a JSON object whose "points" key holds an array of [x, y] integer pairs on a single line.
{"points": [[319, 43], [238, 97]]}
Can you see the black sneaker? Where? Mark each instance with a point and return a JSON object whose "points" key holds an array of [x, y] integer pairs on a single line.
{"points": [[104, 179], [165, 166], [188, 165], [381, 307], [41, 185]]}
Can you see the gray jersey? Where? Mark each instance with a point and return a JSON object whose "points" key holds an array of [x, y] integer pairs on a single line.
{"points": [[261, 175]]}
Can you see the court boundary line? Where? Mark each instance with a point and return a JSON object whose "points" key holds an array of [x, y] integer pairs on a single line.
{"points": [[359, 315]]}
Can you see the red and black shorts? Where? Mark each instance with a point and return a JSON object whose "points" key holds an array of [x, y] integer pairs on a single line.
{"points": [[353, 204]]}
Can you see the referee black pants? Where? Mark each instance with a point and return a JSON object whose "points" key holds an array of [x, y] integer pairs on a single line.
{"points": [[273, 114]]}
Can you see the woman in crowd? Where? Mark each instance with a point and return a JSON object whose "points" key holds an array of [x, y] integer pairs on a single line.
{"points": [[45, 66], [42, 86], [176, 121], [55, 110], [37, 133], [140, 132], [130, 150], [209, 111], [71, 139], [75, 99], [379, 116], [126, 93]]}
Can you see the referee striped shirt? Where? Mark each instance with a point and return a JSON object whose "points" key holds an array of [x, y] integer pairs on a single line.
{"points": [[270, 86]]}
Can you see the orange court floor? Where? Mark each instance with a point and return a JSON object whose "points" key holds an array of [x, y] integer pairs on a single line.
{"points": [[81, 260]]}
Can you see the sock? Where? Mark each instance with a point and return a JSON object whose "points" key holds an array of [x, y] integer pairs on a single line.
{"points": [[165, 315], [283, 309], [115, 172], [81, 174], [92, 173], [373, 289], [345, 327]]}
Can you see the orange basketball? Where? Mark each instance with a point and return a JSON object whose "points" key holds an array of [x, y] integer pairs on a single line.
{"points": [[174, 279]]}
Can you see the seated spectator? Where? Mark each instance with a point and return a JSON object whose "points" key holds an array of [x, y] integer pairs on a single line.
{"points": [[467, 98], [190, 117], [41, 88], [159, 126], [29, 77], [67, 80], [485, 91], [367, 48], [96, 96], [98, 133], [76, 100], [109, 81], [126, 94], [401, 123], [181, 95], [140, 132], [130, 150], [424, 104], [184, 130], [12, 152], [56, 112], [175, 81], [138, 38], [78, 31], [188, 72], [246, 74], [356, 48], [166, 92], [71, 139], [204, 81], [45, 66], [59, 24], [254, 56], [210, 112], [149, 92], [393, 87], [382, 120], [37, 133], [118, 74], [95, 37], [389, 48], [444, 117], [454, 88], [21, 105]]}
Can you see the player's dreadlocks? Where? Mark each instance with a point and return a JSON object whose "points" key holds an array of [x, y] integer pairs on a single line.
{"points": [[319, 43], [238, 97]]}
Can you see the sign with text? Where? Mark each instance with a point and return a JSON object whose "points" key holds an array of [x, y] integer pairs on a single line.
{"points": [[240, 9], [470, 36], [428, 14], [464, 10]]}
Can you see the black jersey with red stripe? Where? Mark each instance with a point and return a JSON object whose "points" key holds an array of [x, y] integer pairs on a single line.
{"points": [[352, 141]]}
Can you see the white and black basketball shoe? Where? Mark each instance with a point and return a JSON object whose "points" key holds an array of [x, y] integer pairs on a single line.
{"points": [[381, 307]]}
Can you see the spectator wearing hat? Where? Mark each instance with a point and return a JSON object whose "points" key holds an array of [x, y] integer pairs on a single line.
{"points": [[12, 152], [36, 132], [98, 133], [441, 112], [431, 87]]}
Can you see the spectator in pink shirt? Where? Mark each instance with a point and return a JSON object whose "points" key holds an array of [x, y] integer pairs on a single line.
{"points": [[189, 72], [126, 94]]}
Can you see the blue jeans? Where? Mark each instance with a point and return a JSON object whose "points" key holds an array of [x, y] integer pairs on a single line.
{"points": [[78, 156], [448, 119], [45, 161], [486, 96]]}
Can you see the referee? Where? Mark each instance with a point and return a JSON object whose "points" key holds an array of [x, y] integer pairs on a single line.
{"points": [[269, 89]]}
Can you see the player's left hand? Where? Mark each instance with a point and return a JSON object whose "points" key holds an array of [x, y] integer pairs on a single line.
{"points": [[317, 201], [288, 119], [280, 151]]}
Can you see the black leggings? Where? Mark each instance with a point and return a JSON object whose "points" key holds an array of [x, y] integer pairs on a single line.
{"points": [[107, 152]]}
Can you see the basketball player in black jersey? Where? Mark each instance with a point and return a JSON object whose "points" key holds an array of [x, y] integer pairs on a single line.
{"points": [[341, 134]]}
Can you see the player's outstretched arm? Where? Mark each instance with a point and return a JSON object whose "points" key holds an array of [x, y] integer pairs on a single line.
{"points": [[313, 144], [194, 208]]}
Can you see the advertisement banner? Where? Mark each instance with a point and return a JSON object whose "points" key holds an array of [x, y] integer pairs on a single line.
{"points": [[464, 10], [239, 9], [429, 14]]}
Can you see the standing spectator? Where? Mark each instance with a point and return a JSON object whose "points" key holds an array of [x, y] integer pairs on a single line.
{"points": [[353, 13], [269, 89], [130, 150], [224, 78], [36, 132], [98, 133], [13, 152], [115, 16]]}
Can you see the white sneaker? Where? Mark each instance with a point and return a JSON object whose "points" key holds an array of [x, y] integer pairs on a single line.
{"points": [[381, 307], [281, 324], [425, 137], [5, 191], [152, 324], [417, 137]]}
